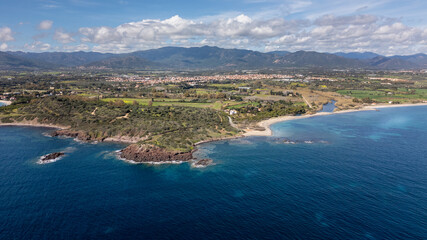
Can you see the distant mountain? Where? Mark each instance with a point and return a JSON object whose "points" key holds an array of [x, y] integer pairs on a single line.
{"points": [[207, 58], [65, 59], [315, 59], [10, 62], [280, 53], [420, 59], [357, 55], [126, 62], [390, 63]]}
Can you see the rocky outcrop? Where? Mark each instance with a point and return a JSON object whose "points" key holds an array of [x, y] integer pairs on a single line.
{"points": [[79, 135], [202, 163], [152, 154], [52, 157]]}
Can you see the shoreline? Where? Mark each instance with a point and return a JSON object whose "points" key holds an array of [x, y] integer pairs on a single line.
{"points": [[217, 139], [266, 124], [6, 103], [32, 124]]}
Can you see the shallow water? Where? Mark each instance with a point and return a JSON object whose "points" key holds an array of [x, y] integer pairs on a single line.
{"points": [[362, 177], [329, 107]]}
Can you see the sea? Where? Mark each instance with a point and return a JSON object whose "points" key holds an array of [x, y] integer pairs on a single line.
{"points": [[359, 175]]}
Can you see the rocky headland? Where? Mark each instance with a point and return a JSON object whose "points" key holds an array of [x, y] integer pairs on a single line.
{"points": [[78, 135], [136, 153], [154, 155]]}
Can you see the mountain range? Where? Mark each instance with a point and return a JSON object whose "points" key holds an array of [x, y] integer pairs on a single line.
{"points": [[207, 58]]}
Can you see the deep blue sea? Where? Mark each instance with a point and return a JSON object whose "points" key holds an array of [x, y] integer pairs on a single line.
{"points": [[359, 175]]}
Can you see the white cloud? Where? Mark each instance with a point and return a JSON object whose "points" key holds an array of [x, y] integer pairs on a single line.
{"points": [[327, 33], [45, 25], [63, 37], [38, 46], [331, 20], [74, 48], [354, 33], [3, 46], [6, 34], [231, 31]]}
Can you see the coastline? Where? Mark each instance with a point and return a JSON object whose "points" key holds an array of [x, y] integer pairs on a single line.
{"points": [[247, 132], [33, 124], [6, 103], [218, 139], [267, 123]]}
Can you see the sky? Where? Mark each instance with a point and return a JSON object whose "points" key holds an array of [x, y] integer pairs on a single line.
{"points": [[387, 27]]}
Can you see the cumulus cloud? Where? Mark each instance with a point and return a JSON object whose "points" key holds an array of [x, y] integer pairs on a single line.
{"points": [[38, 46], [3, 46], [354, 33], [45, 25], [63, 37], [326, 33], [150, 33], [74, 48], [6, 34]]}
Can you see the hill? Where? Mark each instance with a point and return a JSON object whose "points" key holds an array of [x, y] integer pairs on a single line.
{"points": [[390, 63], [419, 59], [64, 59], [357, 55], [280, 53], [208, 58], [315, 59], [10, 62], [126, 62]]}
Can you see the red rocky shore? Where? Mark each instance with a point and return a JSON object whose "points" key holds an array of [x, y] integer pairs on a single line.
{"points": [[79, 135], [140, 153], [153, 154]]}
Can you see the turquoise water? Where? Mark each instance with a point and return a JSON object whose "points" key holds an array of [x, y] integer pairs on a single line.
{"points": [[361, 175], [2, 104]]}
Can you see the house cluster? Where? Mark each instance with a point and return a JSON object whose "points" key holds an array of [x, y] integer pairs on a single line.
{"points": [[194, 79], [389, 79], [8, 96], [231, 111]]}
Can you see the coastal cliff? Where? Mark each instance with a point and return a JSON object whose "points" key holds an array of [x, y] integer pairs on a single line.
{"points": [[79, 135], [168, 133], [144, 153]]}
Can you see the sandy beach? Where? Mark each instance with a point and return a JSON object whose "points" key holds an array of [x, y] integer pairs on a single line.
{"points": [[248, 132], [267, 123], [33, 124], [5, 102]]}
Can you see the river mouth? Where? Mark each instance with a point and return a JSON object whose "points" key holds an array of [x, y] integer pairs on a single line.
{"points": [[329, 107]]}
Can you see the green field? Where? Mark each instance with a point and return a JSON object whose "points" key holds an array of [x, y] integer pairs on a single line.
{"points": [[384, 95], [162, 102]]}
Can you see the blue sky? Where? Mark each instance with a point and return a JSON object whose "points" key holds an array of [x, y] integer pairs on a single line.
{"points": [[384, 26]]}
